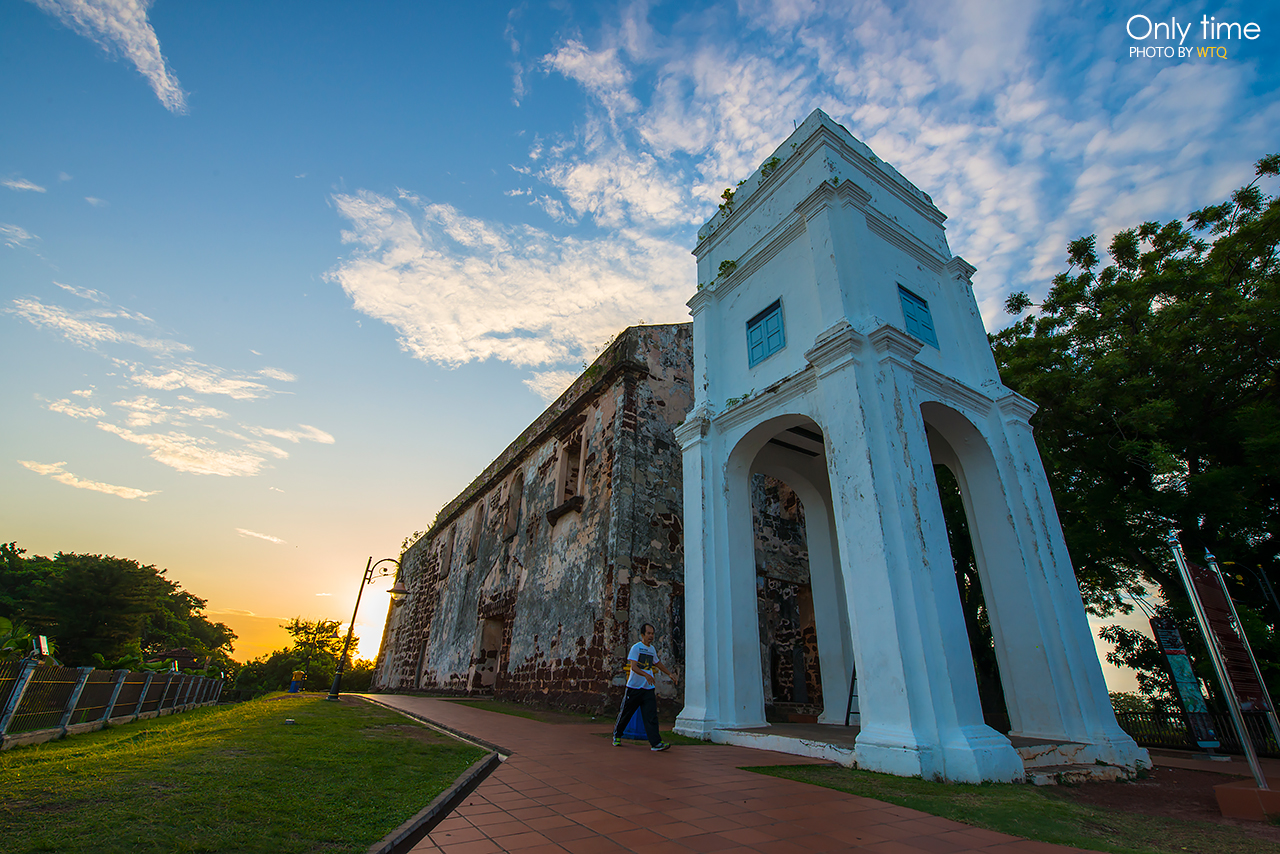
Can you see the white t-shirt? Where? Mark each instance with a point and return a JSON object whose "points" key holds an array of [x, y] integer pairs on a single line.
{"points": [[647, 656]]}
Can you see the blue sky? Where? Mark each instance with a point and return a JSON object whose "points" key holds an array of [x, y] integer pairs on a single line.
{"points": [[277, 280]]}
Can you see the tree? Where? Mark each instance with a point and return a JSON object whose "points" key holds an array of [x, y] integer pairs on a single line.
{"points": [[106, 609], [317, 645], [1158, 382]]}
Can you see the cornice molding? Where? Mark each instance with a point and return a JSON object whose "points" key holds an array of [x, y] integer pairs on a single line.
{"points": [[892, 344], [834, 348], [1017, 408], [796, 385]]}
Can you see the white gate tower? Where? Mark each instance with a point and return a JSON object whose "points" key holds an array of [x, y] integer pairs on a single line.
{"points": [[839, 348]]}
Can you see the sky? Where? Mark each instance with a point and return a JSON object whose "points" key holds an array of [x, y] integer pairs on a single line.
{"points": [[278, 280]]}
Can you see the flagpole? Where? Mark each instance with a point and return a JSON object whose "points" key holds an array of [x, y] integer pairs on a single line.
{"points": [[1224, 679]]}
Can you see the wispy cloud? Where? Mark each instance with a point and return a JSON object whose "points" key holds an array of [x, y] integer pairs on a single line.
{"points": [[245, 532], [458, 289], [311, 434], [61, 475], [549, 385], [1025, 123], [121, 27], [174, 418], [96, 202], [191, 454], [66, 407], [202, 379], [22, 184], [15, 235], [90, 327]]}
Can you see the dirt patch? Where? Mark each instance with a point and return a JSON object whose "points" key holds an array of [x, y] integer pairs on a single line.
{"points": [[1170, 793]]}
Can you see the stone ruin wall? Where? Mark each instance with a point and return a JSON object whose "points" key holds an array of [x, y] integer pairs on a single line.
{"points": [[546, 612], [784, 603]]}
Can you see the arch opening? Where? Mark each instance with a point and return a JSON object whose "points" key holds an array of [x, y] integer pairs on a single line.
{"points": [[787, 562]]}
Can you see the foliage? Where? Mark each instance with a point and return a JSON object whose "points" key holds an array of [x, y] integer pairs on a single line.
{"points": [[15, 640], [977, 620], [1129, 702], [317, 640], [315, 650], [230, 778], [114, 608], [1158, 382], [726, 207]]}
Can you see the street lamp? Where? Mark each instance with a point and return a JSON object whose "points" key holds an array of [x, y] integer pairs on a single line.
{"points": [[398, 591]]}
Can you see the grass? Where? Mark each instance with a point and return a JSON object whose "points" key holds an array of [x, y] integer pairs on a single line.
{"points": [[1031, 812], [231, 778]]}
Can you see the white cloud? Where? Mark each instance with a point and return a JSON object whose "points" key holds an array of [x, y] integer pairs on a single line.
{"points": [[66, 407], [459, 289], [311, 434], [191, 454], [277, 374], [599, 72], [89, 328], [14, 235], [549, 385], [83, 392], [85, 293], [121, 27], [202, 379], [244, 532], [61, 475], [22, 184], [63, 176], [96, 202]]}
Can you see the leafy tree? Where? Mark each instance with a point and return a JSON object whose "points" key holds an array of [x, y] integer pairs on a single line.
{"points": [[268, 673], [317, 645], [1158, 381], [106, 609]]}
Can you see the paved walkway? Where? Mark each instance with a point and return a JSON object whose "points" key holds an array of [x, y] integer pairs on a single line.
{"points": [[567, 789]]}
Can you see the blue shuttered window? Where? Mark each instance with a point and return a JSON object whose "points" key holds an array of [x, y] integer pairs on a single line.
{"points": [[765, 334], [916, 313]]}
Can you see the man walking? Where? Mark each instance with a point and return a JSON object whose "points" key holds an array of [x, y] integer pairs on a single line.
{"points": [[641, 690]]}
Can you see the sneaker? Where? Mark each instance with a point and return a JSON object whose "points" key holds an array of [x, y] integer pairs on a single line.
{"points": [[662, 745], [617, 742]]}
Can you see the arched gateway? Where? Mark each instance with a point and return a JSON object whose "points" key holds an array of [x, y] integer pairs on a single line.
{"points": [[839, 349]]}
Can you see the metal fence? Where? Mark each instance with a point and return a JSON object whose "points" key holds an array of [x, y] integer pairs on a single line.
{"points": [[40, 702], [1168, 729]]}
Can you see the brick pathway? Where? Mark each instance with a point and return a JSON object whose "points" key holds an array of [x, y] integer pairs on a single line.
{"points": [[567, 789]]}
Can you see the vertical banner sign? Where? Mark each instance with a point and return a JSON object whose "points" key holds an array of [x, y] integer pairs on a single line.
{"points": [[1186, 687], [1217, 609]]}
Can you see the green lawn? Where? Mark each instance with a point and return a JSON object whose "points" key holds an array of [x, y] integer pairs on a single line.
{"points": [[232, 778], [1039, 813]]}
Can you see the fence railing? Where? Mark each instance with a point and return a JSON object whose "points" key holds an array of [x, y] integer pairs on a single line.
{"points": [[1165, 729], [41, 702]]}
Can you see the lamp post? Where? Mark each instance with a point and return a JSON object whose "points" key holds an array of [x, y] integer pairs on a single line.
{"points": [[397, 591]]}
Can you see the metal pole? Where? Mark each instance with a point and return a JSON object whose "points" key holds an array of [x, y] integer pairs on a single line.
{"points": [[337, 674], [1239, 627], [1211, 642]]}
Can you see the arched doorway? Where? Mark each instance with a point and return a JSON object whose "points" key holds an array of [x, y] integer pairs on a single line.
{"points": [[806, 658]]}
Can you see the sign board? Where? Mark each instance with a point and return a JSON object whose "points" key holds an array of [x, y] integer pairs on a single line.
{"points": [[1186, 687], [1239, 664]]}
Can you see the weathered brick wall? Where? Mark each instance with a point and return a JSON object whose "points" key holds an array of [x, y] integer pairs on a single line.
{"points": [[784, 601], [561, 595]]}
